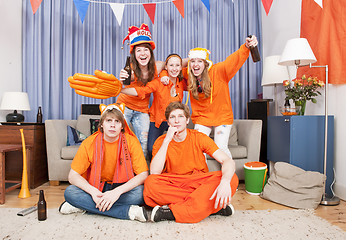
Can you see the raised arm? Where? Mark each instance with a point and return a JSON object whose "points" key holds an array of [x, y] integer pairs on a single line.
{"points": [[235, 61]]}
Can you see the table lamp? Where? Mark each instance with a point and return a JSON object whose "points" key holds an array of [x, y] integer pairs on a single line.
{"points": [[15, 101], [273, 74], [299, 53]]}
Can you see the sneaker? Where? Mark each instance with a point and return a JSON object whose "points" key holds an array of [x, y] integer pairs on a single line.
{"points": [[138, 213], [228, 211], [66, 208], [161, 213]]}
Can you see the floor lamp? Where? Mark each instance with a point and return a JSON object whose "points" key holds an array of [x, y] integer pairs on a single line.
{"points": [[298, 52], [273, 74]]}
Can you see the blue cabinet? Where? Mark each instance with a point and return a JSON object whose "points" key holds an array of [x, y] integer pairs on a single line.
{"points": [[299, 140]]}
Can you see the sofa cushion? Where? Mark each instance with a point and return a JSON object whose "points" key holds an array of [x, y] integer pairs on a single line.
{"points": [[83, 123], [74, 137], [94, 123], [68, 152], [238, 151], [233, 136]]}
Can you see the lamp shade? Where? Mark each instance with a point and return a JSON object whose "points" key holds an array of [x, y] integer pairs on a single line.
{"points": [[273, 72], [297, 52], [15, 101]]}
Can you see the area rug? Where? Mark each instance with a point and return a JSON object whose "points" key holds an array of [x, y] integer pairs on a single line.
{"points": [[274, 224]]}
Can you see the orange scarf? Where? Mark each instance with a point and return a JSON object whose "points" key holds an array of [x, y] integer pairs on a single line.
{"points": [[123, 170]]}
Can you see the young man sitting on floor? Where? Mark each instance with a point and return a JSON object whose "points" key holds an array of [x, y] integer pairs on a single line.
{"points": [[180, 186], [108, 171]]}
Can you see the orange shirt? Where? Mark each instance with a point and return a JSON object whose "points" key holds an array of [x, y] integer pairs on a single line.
{"points": [[162, 97], [133, 102], [136, 103], [187, 157], [84, 158], [217, 109]]}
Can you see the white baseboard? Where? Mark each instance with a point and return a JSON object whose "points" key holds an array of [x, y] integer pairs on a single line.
{"points": [[340, 191]]}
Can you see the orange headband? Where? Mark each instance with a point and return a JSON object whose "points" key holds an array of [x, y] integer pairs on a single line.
{"points": [[173, 55]]}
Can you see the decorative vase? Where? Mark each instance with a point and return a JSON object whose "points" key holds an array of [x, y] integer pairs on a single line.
{"points": [[301, 104]]}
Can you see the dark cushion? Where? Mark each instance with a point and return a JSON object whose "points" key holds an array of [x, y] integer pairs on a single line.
{"points": [[74, 137], [94, 125]]}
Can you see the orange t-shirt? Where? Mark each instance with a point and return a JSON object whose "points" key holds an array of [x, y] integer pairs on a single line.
{"points": [[133, 102], [162, 97], [84, 158], [187, 157], [217, 109]]}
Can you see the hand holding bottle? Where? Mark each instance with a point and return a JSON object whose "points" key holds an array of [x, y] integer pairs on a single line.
{"points": [[123, 75], [251, 43], [128, 69]]}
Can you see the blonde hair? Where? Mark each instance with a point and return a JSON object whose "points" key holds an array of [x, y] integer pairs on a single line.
{"points": [[205, 83]]}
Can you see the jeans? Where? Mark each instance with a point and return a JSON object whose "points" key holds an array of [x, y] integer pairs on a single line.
{"points": [[221, 135], [140, 125], [154, 133], [120, 209]]}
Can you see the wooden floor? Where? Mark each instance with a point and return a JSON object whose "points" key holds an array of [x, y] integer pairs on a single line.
{"points": [[54, 195]]}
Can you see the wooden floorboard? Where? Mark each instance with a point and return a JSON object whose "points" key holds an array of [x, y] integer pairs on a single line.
{"points": [[242, 201]]}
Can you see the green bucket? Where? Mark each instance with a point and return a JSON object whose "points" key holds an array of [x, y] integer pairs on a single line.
{"points": [[255, 177]]}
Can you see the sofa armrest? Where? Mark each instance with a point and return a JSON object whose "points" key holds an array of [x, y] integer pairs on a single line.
{"points": [[56, 134], [56, 138], [249, 135]]}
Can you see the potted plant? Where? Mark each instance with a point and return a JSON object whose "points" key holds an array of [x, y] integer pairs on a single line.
{"points": [[301, 90]]}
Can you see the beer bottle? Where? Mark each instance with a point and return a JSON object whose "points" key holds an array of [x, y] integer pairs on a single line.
{"points": [[39, 115], [41, 207], [254, 52], [287, 106], [128, 69]]}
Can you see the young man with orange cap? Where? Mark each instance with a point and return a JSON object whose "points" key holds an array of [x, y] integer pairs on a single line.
{"points": [[144, 70], [108, 171], [180, 186]]}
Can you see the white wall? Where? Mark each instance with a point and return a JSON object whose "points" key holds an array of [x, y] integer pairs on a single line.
{"points": [[282, 24], [10, 49]]}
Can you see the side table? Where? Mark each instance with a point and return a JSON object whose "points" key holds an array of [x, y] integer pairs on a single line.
{"points": [[6, 186], [34, 134]]}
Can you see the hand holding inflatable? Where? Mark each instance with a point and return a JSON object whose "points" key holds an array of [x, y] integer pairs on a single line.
{"points": [[102, 85]]}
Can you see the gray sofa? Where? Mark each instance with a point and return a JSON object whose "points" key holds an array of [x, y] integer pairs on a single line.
{"points": [[59, 155], [244, 144]]}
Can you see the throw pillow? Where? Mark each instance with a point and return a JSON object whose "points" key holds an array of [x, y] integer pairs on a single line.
{"points": [[94, 123], [74, 137]]}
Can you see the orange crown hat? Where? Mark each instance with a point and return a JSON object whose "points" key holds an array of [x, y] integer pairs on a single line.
{"points": [[138, 36], [120, 107], [202, 53]]}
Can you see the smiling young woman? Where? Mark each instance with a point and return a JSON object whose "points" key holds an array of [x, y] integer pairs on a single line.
{"points": [[208, 87], [163, 95], [144, 71]]}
